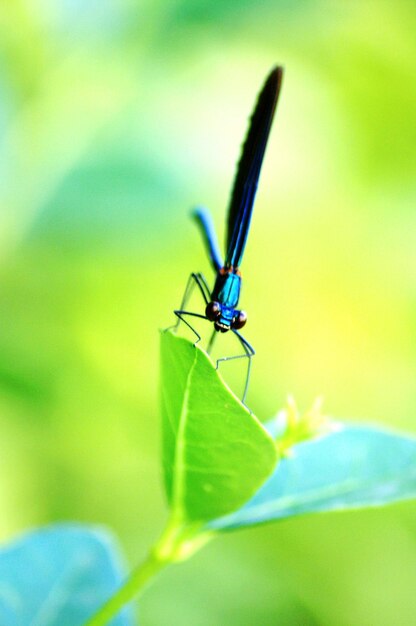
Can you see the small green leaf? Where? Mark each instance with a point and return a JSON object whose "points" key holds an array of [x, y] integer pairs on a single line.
{"points": [[353, 467], [59, 576], [216, 454]]}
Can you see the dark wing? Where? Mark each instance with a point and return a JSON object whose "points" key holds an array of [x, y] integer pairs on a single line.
{"points": [[249, 166], [204, 221]]}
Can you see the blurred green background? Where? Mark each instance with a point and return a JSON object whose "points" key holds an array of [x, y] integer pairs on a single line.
{"points": [[116, 117]]}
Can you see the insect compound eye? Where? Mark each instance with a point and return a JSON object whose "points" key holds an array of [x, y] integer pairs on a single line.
{"points": [[240, 320], [213, 311]]}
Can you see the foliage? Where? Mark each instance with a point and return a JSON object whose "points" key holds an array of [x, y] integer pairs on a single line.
{"points": [[223, 471], [115, 119], [59, 576], [216, 453]]}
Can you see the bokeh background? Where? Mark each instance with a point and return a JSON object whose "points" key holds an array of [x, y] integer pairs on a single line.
{"points": [[116, 117]]}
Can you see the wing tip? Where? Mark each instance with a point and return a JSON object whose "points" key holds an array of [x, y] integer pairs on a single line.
{"points": [[274, 79]]}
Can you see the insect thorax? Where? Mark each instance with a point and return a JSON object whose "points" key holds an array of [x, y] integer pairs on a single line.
{"points": [[227, 289]]}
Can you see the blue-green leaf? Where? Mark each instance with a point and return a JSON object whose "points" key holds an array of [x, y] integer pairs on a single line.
{"points": [[351, 468], [59, 576]]}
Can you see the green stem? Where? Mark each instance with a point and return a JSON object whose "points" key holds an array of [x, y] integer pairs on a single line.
{"points": [[178, 542], [135, 584]]}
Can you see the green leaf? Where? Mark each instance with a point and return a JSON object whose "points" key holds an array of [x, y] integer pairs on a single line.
{"points": [[216, 454], [58, 576], [353, 467]]}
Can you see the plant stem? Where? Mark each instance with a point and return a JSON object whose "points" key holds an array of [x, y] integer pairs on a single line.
{"points": [[177, 543], [134, 584]]}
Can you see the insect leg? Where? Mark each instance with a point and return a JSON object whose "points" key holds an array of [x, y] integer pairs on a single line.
{"points": [[249, 352], [180, 315], [203, 287], [199, 280]]}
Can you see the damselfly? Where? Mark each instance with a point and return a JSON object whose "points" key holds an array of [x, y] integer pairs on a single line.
{"points": [[221, 303]]}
